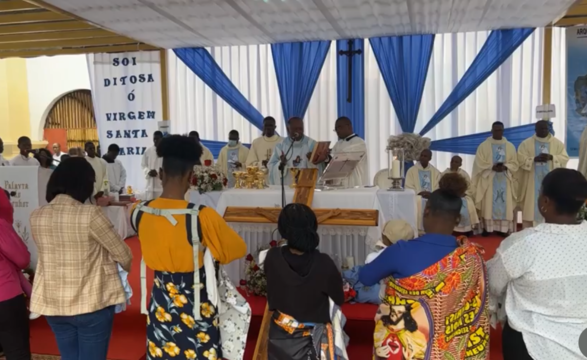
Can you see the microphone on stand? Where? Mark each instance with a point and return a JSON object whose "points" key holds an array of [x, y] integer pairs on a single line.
{"points": [[282, 167]]}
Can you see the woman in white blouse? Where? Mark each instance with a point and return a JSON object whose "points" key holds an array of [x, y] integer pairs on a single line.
{"points": [[541, 272]]}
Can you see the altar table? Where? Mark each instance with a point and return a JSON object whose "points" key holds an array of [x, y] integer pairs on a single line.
{"points": [[119, 216], [337, 241]]}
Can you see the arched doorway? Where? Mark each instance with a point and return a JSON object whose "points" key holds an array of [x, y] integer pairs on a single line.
{"points": [[70, 121]]}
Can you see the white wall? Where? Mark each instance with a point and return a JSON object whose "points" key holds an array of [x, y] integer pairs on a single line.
{"points": [[49, 78]]}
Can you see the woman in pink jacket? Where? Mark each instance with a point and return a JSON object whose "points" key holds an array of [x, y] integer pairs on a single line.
{"points": [[14, 316]]}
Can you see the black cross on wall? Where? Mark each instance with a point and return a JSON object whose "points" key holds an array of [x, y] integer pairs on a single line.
{"points": [[350, 53]]}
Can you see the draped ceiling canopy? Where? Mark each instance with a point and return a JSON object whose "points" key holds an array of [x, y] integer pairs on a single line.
{"points": [[193, 23]]}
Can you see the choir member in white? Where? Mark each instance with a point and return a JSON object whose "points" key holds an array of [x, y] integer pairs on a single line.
{"points": [[349, 142], [151, 164], [262, 147], [293, 152], [23, 158], [100, 169], [469, 218], [423, 179], [232, 156], [495, 164], [3, 161], [207, 157], [57, 154], [537, 156], [116, 171]]}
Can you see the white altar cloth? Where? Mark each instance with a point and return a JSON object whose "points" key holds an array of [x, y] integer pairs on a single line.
{"points": [[337, 241], [119, 216]]}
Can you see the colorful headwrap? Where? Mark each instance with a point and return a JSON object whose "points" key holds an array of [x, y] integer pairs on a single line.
{"points": [[6, 210]]}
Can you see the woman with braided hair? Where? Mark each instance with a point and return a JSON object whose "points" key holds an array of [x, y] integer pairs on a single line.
{"points": [[301, 281]]}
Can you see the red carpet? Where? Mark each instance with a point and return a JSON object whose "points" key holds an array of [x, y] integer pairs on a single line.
{"points": [[129, 334]]}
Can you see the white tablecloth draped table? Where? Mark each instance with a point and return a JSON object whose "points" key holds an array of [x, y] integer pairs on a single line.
{"points": [[337, 241], [119, 216]]}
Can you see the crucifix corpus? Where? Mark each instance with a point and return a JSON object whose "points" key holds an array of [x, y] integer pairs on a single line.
{"points": [[350, 53], [304, 194]]}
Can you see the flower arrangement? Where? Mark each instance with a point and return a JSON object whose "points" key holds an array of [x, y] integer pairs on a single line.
{"points": [[413, 144], [208, 178], [255, 282]]}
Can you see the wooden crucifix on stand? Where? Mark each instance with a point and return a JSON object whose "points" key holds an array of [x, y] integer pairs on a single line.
{"points": [[304, 194], [350, 53]]}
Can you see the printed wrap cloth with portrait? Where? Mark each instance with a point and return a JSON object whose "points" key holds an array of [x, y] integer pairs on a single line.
{"points": [[438, 313]]}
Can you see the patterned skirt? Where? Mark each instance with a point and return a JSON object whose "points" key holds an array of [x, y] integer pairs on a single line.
{"points": [[172, 332]]}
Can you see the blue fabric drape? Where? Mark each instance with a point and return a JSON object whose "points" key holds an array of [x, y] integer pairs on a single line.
{"points": [[499, 46], [354, 110], [468, 144], [403, 62], [205, 67], [297, 67], [216, 146]]}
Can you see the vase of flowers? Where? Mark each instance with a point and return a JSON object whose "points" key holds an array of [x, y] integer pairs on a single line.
{"points": [[207, 178], [255, 282]]}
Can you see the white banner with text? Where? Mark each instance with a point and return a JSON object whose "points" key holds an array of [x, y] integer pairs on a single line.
{"points": [[22, 184], [126, 91]]}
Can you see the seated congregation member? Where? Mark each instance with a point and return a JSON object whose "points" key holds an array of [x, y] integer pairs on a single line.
{"points": [[46, 161], [426, 282], [393, 231], [537, 156], [495, 165], [232, 156], [168, 228], [542, 274], [469, 218], [23, 158], [301, 283], [262, 147], [116, 171], [14, 316], [423, 179], [77, 285], [293, 151], [206, 159]]}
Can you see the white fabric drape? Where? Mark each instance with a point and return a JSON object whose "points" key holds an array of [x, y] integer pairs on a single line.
{"points": [[510, 95]]}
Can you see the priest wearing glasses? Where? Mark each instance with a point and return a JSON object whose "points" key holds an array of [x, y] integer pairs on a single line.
{"points": [[293, 151]]}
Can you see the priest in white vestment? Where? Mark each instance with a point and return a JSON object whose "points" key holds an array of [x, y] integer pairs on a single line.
{"points": [[3, 161], [349, 142], [469, 218], [583, 153], [537, 156], [262, 147], [423, 179], [293, 152], [496, 163], [116, 171], [100, 169], [151, 163], [23, 158], [207, 159], [232, 157]]}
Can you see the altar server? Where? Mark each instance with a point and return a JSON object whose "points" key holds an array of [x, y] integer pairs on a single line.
{"points": [[23, 159], [3, 161], [469, 217], [348, 141], [423, 179], [537, 156], [232, 156], [207, 158], [262, 147], [496, 162], [293, 152], [151, 164], [116, 171], [100, 168]]}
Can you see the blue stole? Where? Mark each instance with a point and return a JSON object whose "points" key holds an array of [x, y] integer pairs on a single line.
{"points": [[232, 157], [540, 171], [465, 220], [499, 183]]}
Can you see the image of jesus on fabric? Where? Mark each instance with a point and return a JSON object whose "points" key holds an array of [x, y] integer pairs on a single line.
{"points": [[397, 334]]}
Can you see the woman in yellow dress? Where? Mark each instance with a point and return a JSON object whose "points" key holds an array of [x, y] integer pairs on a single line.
{"points": [[182, 322]]}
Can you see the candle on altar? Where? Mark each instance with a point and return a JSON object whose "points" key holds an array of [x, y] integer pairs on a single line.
{"points": [[395, 169]]}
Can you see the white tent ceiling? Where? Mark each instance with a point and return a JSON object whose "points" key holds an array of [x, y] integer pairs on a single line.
{"points": [[187, 23]]}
